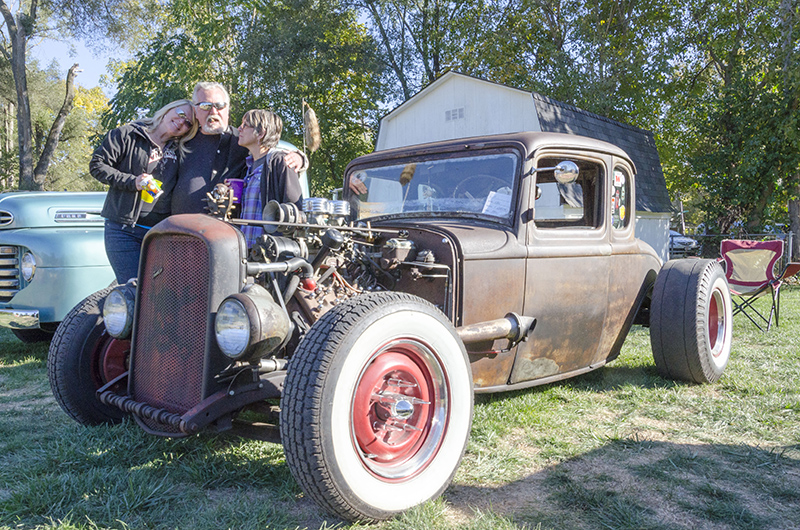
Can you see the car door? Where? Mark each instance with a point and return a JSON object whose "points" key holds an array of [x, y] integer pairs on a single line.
{"points": [[567, 267]]}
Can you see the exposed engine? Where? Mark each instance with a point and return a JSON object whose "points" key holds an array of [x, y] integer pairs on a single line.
{"points": [[339, 259]]}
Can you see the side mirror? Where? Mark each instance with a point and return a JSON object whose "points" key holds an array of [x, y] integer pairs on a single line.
{"points": [[565, 172]]}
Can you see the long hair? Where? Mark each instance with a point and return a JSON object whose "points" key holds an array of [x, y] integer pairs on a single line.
{"points": [[152, 123]]}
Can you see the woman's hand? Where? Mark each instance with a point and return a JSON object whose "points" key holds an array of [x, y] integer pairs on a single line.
{"points": [[142, 179]]}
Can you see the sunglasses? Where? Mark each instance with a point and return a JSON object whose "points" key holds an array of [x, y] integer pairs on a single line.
{"points": [[181, 114], [207, 105]]}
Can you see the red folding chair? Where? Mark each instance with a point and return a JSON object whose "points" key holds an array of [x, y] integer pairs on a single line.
{"points": [[750, 269]]}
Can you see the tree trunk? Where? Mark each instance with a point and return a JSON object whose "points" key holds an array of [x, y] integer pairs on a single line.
{"points": [[18, 34], [40, 173], [794, 225], [790, 94]]}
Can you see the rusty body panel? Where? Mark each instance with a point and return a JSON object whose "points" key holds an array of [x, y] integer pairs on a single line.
{"points": [[582, 284]]}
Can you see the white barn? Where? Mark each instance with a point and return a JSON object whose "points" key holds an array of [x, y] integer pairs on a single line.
{"points": [[460, 106]]}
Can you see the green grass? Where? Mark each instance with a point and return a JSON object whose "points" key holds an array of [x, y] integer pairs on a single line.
{"points": [[618, 448]]}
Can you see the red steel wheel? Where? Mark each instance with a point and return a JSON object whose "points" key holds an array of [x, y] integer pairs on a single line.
{"points": [[399, 409], [82, 359], [377, 406]]}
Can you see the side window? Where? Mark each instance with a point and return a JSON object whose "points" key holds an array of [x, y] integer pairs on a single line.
{"points": [[620, 199], [568, 205]]}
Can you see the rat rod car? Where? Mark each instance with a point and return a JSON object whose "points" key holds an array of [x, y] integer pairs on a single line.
{"points": [[359, 329]]}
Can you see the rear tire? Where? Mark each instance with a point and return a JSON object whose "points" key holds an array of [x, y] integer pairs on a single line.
{"points": [[691, 321], [82, 359], [377, 406]]}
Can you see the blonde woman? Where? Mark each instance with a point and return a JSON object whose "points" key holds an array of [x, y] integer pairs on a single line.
{"points": [[139, 163]]}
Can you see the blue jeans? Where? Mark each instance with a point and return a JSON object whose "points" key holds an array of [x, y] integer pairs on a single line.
{"points": [[123, 245]]}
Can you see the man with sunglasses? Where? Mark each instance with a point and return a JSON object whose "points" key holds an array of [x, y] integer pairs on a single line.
{"points": [[215, 154]]}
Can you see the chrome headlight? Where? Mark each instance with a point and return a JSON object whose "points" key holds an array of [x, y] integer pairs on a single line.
{"points": [[232, 328], [27, 266], [118, 310], [250, 325]]}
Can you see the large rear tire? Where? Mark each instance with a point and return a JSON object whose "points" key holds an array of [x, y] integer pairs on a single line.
{"points": [[377, 406], [691, 321], [82, 359]]}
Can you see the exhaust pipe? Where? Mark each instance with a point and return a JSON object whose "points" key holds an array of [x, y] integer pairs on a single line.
{"points": [[513, 327]]}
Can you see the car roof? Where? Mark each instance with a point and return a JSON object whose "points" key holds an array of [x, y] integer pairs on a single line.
{"points": [[531, 141]]}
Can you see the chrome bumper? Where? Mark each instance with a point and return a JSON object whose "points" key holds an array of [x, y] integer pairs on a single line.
{"points": [[19, 318]]}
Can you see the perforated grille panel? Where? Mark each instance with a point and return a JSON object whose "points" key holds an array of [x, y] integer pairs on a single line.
{"points": [[167, 370]]}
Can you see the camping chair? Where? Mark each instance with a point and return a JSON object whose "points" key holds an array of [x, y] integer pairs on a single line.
{"points": [[750, 269]]}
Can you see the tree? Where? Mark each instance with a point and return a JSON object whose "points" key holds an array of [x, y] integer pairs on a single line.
{"points": [[739, 132], [789, 56], [269, 55], [97, 19], [69, 164]]}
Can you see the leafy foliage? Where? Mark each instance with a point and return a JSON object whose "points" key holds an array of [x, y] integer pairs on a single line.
{"points": [[70, 164], [24, 21], [734, 123], [269, 55], [716, 80]]}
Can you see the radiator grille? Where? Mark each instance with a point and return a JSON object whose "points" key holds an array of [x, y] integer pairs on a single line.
{"points": [[9, 273], [167, 370]]}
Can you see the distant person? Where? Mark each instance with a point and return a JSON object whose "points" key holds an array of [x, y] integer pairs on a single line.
{"points": [[268, 176], [214, 155], [133, 158]]}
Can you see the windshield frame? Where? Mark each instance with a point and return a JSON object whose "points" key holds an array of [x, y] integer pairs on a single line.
{"points": [[465, 152]]}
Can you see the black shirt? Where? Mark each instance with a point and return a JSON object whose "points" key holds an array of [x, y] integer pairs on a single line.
{"points": [[210, 158]]}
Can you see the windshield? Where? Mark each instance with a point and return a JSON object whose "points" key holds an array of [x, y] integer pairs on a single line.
{"points": [[481, 184]]}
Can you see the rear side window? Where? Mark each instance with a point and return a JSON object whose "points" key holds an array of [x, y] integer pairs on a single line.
{"points": [[568, 205], [620, 199]]}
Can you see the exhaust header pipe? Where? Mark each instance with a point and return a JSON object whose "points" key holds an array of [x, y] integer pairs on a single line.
{"points": [[513, 327]]}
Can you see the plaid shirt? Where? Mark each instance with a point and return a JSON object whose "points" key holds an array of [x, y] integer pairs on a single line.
{"points": [[251, 200]]}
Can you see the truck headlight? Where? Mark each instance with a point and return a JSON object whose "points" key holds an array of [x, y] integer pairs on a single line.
{"points": [[28, 266], [250, 325], [118, 310], [232, 328]]}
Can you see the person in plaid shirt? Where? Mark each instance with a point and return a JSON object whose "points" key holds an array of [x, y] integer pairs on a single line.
{"points": [[268, 176]]}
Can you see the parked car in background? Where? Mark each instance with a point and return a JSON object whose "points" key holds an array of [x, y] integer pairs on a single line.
{"points": [[681, 246], [52, 256], [778, 230]]}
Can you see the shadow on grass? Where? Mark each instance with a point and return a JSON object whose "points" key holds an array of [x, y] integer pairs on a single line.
{"points": [[120, 477], [640, 485], [607, 378], [12, 349]]}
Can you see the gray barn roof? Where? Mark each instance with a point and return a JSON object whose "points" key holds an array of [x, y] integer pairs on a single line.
{"points": [[651, 188]]}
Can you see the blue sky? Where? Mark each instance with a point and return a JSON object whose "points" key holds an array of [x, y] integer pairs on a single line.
{"points": [[93, 65]]}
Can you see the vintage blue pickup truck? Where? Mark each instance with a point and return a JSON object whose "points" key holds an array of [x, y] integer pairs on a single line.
{"points": [[52, 256]]}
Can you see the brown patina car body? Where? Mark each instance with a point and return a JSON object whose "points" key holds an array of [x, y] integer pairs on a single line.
{"points": [[362, 327]]}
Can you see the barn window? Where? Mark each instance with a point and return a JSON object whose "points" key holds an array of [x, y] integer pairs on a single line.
{"points": [[454, 114]]}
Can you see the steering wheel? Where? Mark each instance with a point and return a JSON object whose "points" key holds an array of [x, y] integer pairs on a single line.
{"points": [[478, 186]]}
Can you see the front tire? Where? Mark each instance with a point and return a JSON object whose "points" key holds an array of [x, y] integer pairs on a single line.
{"points": [[82, 359], [377, 406], [691, 321]]}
